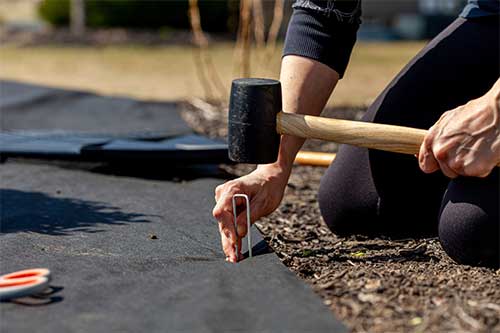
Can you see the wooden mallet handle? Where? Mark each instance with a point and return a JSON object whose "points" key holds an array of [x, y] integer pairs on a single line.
{"points": [[391, 138], [255, 122]]}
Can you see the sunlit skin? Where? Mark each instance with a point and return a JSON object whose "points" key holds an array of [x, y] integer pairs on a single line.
{"points": [[306, 86], [465, 141]]}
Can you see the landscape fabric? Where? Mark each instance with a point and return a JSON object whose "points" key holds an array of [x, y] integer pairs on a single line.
{"points": [[131, 254]]}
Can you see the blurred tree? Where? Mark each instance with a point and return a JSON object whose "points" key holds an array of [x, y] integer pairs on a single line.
{"points": [[56, 12], [215, 14], [77, 17]]}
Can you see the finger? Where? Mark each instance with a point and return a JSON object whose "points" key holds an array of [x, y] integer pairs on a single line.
{"points": [[228, 249], [241, 224], [219, 190], [426, 159], [240, 205], [445, 154], [256, 212], [228, 236], [239, 255], [446, 170], [456, 163], [223, 205], [241, 221], [430, 163], [223, 212]]}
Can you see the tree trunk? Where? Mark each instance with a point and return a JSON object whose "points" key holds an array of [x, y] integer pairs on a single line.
{"points": [[77, 17]]}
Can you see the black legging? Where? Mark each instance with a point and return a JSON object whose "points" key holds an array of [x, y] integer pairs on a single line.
{"points": [[374, 192]]}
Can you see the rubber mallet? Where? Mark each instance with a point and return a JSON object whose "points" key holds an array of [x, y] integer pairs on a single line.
{"points": [[256, 122]]}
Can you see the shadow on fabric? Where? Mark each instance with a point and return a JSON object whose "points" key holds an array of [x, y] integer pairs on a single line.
{"points": [[43, 299], [38, 212], [163, 171], [140, 169]]}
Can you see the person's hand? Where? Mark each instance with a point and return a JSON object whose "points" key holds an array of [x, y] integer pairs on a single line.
{"points": [[464, 141], [264, 186]]}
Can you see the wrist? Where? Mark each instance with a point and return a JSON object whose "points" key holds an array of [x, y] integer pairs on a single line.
{"points": [[275, 170], [289, 148]]}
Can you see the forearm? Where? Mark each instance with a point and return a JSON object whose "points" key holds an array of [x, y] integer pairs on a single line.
{"points": [[306, 86], [317, 48]]}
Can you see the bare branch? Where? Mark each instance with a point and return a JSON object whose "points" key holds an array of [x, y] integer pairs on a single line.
{"points": [[242, 48], [77, 16], [258, 23], [275, 26], [205, 68]]}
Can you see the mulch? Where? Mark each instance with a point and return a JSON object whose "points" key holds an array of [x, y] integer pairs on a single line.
{"points": [[371, 284]]}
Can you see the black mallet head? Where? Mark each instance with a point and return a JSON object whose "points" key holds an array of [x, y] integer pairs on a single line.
{"points": [[253, 106]]}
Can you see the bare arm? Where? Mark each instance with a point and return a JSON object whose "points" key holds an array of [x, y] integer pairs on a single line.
{"points": [[307, 85]]}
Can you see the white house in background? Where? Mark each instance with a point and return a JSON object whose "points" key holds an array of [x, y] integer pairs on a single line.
{"points": [[408, 19], [432, 7], [388, 9]]}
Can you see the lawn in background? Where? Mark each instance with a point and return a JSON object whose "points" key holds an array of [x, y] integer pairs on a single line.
{"points": [[168, 72]]}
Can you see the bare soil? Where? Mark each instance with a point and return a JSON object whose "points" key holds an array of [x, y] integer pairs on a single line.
{"points": [[372, 285]]}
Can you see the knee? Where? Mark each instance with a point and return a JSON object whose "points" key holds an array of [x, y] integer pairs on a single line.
{"points": [[343, 209], [346, 195], [469, 236], [333, 209]]}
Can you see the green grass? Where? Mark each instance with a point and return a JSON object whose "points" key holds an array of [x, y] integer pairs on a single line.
{"points": [[169, 73]]}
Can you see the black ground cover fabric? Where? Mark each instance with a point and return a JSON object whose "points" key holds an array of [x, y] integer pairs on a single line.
{"points": [[32, 107], [130, 254], [42, 122], [95, 233], [190, 148]]}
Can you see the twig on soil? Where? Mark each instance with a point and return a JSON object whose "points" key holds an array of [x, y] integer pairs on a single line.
{"points": [[475, 324], [351, 263]]}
